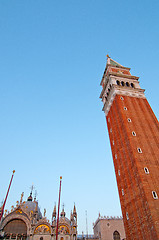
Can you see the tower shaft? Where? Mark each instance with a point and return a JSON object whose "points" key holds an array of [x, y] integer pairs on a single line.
{"points": [[134, 137]]}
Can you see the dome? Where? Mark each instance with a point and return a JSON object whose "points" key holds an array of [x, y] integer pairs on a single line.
{"points": [[30, 206], [64, 219]]}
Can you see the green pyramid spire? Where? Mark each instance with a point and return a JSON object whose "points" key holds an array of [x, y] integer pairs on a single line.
{"points": [[114, 63]]}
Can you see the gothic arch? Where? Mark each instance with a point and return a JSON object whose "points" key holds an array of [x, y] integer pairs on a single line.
{"points": [[64, 222], [116, 235]]}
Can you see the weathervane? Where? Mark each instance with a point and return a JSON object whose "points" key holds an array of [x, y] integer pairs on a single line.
{"points": [[32, 188], [63, 205]]}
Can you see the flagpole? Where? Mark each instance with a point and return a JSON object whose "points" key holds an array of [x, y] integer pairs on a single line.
{"points": [[58, 209], [6, 196]]}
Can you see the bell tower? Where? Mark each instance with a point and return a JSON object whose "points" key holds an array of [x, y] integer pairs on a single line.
{"points": [[134, 138]]}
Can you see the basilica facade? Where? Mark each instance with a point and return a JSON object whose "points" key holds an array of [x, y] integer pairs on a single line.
{"points": [[25, 221]]}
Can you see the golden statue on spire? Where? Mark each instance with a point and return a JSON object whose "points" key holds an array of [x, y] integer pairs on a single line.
{"points": [[21, 199]]}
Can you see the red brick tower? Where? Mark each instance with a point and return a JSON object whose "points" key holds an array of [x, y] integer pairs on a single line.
{"points": [[134, 137]]}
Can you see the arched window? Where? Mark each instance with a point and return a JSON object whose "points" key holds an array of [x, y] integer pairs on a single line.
{"points": [[41, 238], [16, 226], [146, 170], [118, 83], [116, 235], [154, 195]]}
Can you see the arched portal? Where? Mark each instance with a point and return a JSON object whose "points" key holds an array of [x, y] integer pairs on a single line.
{"points": [[15, 227], [116, 235]]}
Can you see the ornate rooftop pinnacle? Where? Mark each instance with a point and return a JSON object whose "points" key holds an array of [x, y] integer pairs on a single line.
{"points": [[54, 212], [36, 207], [63, 212], [74, 211], [44, 212], [17, 203], [30, 197], [21, 199], [71, 216]]}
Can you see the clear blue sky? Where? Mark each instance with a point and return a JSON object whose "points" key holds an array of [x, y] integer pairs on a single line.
{"points": [[52, 58]]}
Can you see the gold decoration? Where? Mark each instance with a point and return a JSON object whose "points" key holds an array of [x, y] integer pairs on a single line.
{"points": [[19, 211], [12, 208], [5, 212], [17, 203], [21, 199], [63, 229], [42, 229]]}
